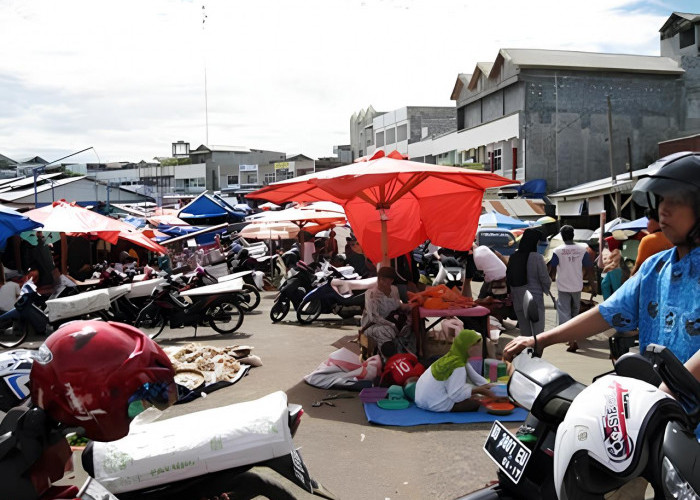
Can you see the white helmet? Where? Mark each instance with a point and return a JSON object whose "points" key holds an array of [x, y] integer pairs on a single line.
{"points": [[604, 440]]}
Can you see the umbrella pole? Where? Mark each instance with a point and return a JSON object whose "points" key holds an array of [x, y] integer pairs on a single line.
{"points": [[385, 239]]}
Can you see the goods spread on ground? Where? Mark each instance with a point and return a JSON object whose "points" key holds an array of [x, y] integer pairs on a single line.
{"points": [[196, 363]]}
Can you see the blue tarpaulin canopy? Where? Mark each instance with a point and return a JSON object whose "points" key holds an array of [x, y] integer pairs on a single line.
{"points": [[13, 222], [496, 219], [175, 231], [137, 222], [635, 225], [535, 188], [212, 208]]}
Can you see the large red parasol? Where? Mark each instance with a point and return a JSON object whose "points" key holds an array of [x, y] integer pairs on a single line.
{"points": [[70, 218], [393, 204]]}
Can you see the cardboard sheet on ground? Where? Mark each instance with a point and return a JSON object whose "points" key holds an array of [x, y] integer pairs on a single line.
{"points": [[417, 416]]}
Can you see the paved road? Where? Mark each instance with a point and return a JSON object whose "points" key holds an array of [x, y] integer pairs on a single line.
{"points": [[352, 458]]}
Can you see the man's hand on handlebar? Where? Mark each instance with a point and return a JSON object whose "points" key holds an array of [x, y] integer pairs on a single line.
{"points": [[516, 346]]}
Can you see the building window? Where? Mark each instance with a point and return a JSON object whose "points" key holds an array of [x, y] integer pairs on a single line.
{"points": [[401, 133], [496, 159], [390, 136], [232, 180], [270, 178], [380, 139], [687, 37]]}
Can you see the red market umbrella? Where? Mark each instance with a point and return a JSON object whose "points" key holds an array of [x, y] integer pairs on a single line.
{"points": [[393, 204], [63, 217], [70, 218], [141, 239], [301, 217]]}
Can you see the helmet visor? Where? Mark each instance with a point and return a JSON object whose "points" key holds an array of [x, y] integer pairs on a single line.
{"points": [[648, 191], [157, 394]]}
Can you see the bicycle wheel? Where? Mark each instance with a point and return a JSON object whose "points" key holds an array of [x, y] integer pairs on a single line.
{"points": [[309, 311], [225, 316], [250, 298], [12, 333], [279, 310], [151, 321]]}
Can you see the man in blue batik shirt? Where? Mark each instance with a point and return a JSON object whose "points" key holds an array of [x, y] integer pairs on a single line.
{"points": [[663, 298]]}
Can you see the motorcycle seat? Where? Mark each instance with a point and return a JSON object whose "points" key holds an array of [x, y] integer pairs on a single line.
{"points": [[345, 287], [554, 400]]}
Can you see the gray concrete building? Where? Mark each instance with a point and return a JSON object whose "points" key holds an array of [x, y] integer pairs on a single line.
{"points": [[361, 132], [395, 130], [235, 170], [535, 113]]}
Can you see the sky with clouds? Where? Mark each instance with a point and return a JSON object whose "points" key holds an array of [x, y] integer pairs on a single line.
{"points": [[127, 77]]}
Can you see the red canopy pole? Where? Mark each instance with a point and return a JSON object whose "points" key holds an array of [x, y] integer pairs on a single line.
{"points": [[385, 237]]}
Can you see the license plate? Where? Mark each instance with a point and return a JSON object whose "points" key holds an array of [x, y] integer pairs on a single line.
{"points": [[507, 451]]}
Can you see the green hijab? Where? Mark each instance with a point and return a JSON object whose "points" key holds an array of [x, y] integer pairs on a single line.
{"points": [[456, 356]]}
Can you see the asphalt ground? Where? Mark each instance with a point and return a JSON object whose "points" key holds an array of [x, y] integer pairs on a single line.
{"points": [[349, 456]]}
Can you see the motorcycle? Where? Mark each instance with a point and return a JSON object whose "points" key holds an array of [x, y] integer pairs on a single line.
{"points": [[14, 377], [583, 442], [230, 443], [26, 316], [217, 305], [225, 436], [292, 291], [336, 295], [449, 271], [252, 284]]}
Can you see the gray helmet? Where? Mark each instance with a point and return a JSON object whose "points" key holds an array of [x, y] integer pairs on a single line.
{"points": [[678, 176]]}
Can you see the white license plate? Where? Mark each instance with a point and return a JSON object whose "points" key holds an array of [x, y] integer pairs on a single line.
{"points": [[507, 451]]}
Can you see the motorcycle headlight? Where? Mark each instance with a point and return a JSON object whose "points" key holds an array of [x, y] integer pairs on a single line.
{"points": [[675, 484]]}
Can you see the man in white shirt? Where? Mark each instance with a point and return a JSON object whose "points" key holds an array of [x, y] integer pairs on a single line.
{"points": [[569, 260], [491, 264], [9, 293]]}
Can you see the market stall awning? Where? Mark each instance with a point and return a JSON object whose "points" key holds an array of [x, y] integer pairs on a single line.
{"points": [[13, 222]]}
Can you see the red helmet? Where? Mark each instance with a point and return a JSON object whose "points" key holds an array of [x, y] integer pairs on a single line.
{"points": [[97, 375]]}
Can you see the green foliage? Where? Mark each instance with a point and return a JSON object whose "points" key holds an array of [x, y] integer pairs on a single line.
{"points": [[175, 161]]}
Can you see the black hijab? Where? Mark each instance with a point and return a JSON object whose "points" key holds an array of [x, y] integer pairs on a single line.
{"points": [[516, 273]]}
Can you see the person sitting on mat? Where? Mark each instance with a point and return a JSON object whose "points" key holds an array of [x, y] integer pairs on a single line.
{"points": [[450, 383]]}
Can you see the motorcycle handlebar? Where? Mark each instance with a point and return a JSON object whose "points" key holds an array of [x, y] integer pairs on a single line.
{"points": [[679, 380]]}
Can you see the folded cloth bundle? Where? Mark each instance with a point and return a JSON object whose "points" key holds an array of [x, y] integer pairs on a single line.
{"points": [[395, 399]]}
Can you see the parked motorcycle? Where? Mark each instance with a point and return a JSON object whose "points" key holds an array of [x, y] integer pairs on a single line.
{"points": [[252, 284], [449, 271], [337, 295], [14, 377], [33, 446], [292, 291], [217, 305], [226, 436], [583, 442], [26, 316]]}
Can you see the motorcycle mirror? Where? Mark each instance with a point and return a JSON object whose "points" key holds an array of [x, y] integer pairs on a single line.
{"points": [[533, 316], [530, 307]]}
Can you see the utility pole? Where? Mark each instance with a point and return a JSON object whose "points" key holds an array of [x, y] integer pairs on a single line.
{"points": [[206, 103], [610, 146]]}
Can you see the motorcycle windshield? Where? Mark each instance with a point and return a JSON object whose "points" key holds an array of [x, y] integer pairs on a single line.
{"points": [[529, 376]]}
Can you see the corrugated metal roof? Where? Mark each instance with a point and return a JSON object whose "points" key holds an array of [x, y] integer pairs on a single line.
{"points": [[223, 149], [591, 61], [692, 18], [14, 195]]}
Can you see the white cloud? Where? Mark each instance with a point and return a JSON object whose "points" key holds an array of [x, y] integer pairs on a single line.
{"points": [[127, 77]]}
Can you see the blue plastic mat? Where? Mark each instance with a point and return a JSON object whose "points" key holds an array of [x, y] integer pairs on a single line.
{"points": [[416, 416]]}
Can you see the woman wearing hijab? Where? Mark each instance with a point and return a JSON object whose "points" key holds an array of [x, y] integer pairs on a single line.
{"points": [[527, 271], [451, 382]]}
